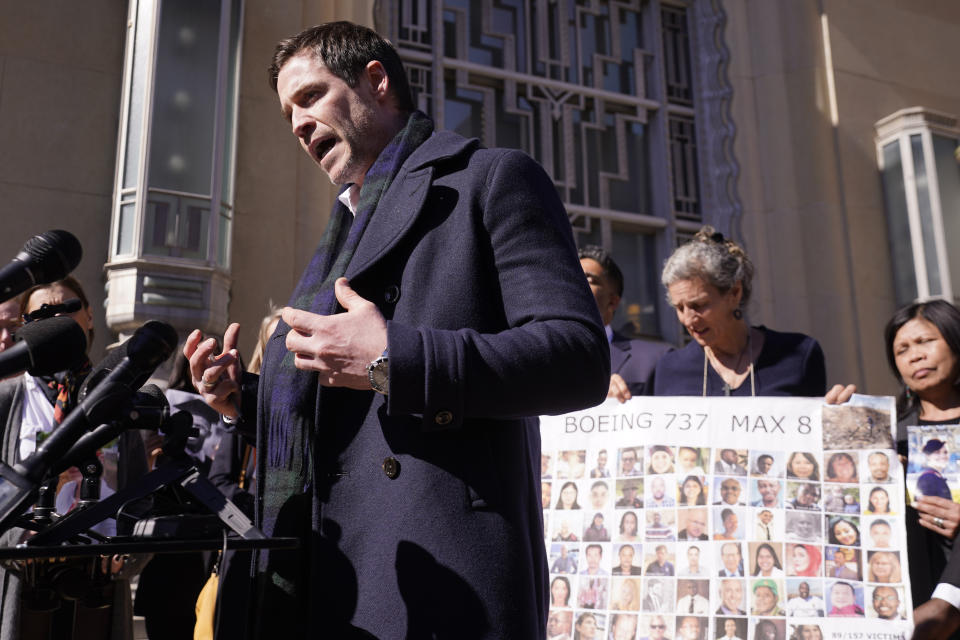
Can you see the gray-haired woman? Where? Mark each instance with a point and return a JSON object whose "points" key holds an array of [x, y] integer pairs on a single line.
{"points": [[708, 282]]}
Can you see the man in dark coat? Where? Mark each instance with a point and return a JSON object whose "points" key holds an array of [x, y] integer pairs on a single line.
{"points": [[631, 361], [396, 407]]}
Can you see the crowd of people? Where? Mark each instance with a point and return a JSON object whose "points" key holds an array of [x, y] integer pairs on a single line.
{"points": [[381, 381]]}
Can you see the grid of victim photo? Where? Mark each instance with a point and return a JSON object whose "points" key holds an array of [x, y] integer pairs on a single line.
{"points": [[657, 541]]}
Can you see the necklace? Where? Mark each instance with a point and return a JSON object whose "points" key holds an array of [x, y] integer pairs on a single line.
{"points": [[727, 389]]}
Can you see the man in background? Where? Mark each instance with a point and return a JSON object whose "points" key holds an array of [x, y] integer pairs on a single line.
{"points": [[732, 561], [631, 361], [601, 471]]}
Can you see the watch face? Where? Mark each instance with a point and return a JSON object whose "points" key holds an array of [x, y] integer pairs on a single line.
{"points": [[379, 376]]}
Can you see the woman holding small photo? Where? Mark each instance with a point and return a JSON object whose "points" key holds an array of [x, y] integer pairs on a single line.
{"points": [[923, 348]]}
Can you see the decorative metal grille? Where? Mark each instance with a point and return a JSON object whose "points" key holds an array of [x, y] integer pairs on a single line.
{"points": [[564, 80], [602, 93]]}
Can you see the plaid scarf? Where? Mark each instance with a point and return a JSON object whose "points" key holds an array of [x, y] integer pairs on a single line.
{"points": [[291, 405]]}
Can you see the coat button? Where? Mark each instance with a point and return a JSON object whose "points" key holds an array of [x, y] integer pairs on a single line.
{"points": [[391, 294], [443, 417], [391, 467]]}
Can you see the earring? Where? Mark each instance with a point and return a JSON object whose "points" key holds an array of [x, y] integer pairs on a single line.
{"points": [[907, 393], [737, 313]]}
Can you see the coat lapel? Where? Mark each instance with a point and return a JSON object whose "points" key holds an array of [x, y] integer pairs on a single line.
{"points": [[403, 201], [396, 213]]}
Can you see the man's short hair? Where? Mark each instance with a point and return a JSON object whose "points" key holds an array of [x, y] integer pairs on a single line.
{"points": [[605, 260], [345, 49]]}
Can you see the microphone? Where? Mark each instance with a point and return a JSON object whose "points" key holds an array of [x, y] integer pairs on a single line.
{"points": [[146, 409], [150, 345], [44, 347], [44, 258]]}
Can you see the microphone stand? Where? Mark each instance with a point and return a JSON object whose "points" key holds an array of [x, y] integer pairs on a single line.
{"points": [[45, 510], [178, 473], [91, 470]]}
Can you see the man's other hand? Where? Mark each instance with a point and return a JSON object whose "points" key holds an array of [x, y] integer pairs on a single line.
{"points": [[338, 347], [216, 378], [618, 388]]}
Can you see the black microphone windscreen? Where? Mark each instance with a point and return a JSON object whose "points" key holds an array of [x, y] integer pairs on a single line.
{"points": [[51, 255], [110, 361], [54, 344], [150, 345]]}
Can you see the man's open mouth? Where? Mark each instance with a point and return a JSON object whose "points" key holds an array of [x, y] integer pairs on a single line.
{"points": [[323, 148]]}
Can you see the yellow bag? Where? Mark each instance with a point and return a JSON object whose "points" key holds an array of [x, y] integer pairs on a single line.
{"points": [[206, 608]]}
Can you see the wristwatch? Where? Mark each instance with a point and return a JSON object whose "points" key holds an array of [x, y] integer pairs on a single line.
{"points": [[378, 372]]}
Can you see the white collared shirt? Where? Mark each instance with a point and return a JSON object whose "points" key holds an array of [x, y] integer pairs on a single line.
{"points": [[350, 197]]}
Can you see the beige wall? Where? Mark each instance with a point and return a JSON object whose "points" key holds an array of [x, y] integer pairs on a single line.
{"points": [[59, 101], [813, 209]]}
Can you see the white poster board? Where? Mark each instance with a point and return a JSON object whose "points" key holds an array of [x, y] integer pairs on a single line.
{"points": [[702, 518]]}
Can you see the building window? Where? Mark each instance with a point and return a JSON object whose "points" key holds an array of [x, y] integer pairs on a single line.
{"points": [[173, 202], [918, 152], [601, 93]]}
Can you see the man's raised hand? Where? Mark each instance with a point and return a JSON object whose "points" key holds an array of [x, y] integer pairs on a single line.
{"points": [[216, 377]]}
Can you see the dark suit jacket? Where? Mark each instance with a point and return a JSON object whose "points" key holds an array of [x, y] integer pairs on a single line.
{"points": [[635, 360], [490, 322]]}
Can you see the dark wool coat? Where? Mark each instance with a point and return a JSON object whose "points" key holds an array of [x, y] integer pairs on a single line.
{"points": [[430, 513]]}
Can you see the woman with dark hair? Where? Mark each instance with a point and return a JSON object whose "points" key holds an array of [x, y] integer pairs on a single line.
{"points": [[841, 468], [728, 518], [766, 630], [878, 502], [628, 527], [936, 457], [843, 531], [661, 459], [560, 592], [568, 496], [922, 343], [691, 492], [708, 281], [596, 532], [31, 407], [766, 563], [807, 632], [803, 465]]}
